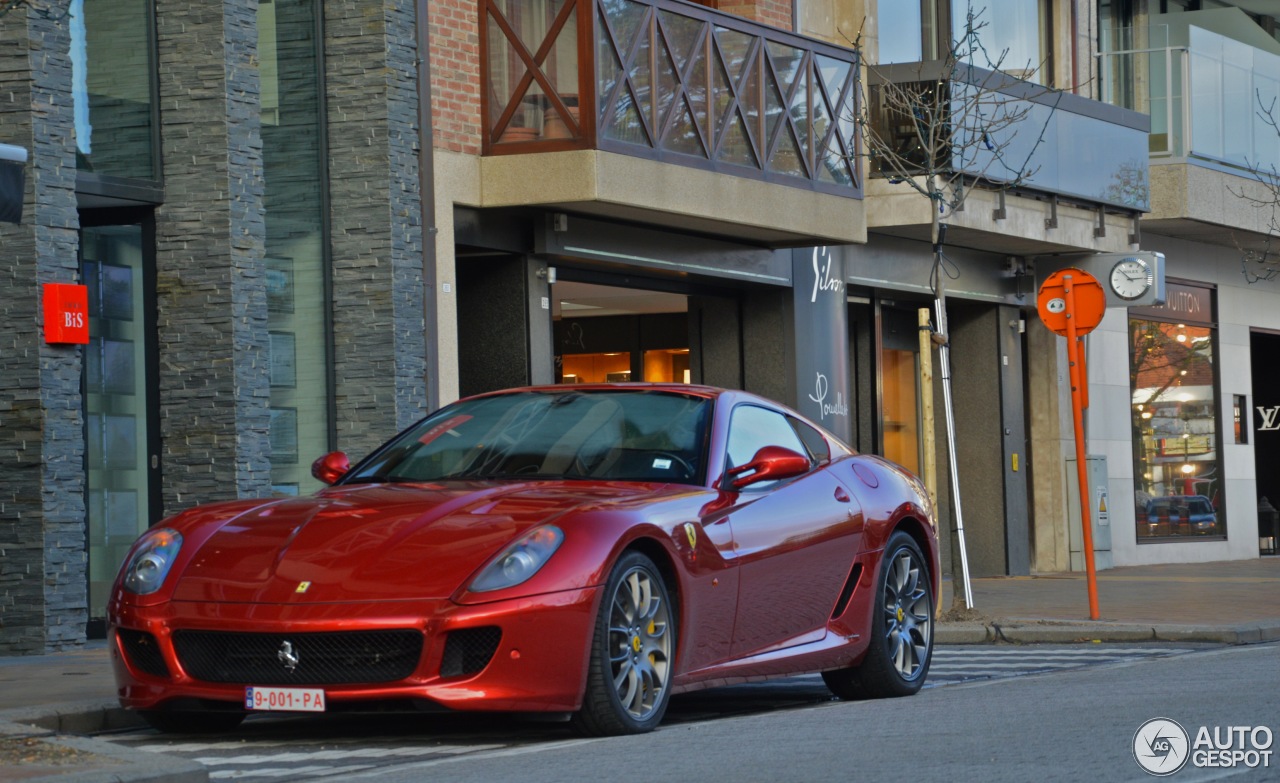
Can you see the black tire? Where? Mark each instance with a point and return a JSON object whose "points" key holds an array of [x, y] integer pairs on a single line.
{"points": [[897, 660], [632, 653], [210, 722]]}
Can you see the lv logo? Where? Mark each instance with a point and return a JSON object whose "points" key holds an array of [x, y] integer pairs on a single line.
{"points": [[1270, 418]]}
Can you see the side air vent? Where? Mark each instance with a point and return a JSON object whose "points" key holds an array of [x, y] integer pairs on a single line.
{"points": [[143, 652], [469, 650], [846, 593]]}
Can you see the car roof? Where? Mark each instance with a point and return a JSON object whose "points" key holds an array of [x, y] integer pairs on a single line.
{"points": [[710, 392]]}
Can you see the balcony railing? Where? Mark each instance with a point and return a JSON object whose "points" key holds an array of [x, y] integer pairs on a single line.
{"points": [[1046, 141], [670, 81], [1205, 92]]}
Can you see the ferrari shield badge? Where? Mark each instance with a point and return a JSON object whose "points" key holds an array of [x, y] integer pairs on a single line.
{"points": [[303, 587], [691, 532]]}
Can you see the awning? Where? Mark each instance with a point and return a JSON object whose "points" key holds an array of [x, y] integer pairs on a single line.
{"points": [[13, 163]]}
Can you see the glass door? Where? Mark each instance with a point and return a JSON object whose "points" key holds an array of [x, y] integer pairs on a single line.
{"points": [[118, 404]]}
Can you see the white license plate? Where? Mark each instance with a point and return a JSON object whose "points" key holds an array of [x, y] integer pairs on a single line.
{"points": [[284, 699]]}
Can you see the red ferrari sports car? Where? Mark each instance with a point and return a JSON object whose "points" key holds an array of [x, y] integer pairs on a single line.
{"points": [[580, 550]]}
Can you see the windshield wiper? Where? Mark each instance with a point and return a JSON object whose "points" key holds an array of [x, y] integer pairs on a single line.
{"points": [[386, 480]]}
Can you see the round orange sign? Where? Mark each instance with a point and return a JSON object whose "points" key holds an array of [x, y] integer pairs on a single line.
{"points": [[1071, 295]]}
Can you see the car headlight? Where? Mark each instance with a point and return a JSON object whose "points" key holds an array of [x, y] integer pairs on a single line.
{"points": [[151, 561], [520, 561]]}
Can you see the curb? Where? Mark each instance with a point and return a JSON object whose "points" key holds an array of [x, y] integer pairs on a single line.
{"points": [[1014, 631], [107, 762]]}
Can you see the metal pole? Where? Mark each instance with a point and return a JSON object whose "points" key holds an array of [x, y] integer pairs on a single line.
{"points": [[1078, 382], [944, 360]]}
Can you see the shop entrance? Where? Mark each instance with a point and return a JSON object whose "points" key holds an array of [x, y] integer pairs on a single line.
{"points": [[1265, 408], [607, 334], [123, 489]]}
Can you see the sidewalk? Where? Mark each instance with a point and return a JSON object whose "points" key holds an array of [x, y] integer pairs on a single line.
{"points": [[43, 699], [1233, 602]]}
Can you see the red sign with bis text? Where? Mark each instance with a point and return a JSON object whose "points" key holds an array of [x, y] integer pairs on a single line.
{"points": [[66, 313]]}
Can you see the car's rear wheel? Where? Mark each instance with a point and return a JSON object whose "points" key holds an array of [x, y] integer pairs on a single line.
{"points": [[192, 722], [897, 661], [632, 653]]}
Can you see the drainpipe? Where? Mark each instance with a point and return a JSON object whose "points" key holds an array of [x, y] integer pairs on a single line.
{"points": [[426, 187]]}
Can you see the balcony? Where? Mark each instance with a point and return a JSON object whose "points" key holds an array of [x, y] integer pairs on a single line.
{"points": [[667, 111], [1205, 92], [1080, 166]]}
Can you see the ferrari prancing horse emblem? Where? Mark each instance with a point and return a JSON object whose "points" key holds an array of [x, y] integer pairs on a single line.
{"points": [[303, 587], [691, 531], [288, 657]]}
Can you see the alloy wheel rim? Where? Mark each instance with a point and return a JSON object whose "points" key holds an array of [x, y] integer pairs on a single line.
{"points": [[908, 616], [639, 643]]}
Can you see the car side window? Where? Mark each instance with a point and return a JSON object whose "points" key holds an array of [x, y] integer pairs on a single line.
{"points": [[815, 445], [752, 428]]}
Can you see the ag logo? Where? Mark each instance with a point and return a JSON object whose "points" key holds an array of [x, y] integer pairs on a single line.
{"points": [[1161, 746]]}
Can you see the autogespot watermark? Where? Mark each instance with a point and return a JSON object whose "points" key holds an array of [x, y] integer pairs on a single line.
{"points": [[1162, 747]]}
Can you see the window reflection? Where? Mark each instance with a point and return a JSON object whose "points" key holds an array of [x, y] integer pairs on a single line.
{"points": [[1177, 470], [295, 264], [111, 67]]}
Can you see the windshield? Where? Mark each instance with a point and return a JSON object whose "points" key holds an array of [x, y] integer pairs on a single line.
{"points": [[638, 435]]}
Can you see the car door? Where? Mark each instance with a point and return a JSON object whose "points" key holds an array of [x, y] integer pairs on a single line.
{"points": [[794, 539]]}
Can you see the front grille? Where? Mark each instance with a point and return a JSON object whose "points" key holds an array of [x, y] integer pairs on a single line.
{"points": [[317, 658], [469, 650], [143, 652]]}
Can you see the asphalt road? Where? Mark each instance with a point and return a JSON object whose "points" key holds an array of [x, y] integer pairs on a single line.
{"points": [[1043, 714]]}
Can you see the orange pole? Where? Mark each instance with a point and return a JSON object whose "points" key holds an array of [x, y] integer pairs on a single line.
{"points": [[1078, 382], [1084, 375]]}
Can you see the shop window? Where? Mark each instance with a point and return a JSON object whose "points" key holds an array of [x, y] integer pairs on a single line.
{"points": [[901, 417], [296, 264], [1176, 440], [668, 365], [596, 368]]}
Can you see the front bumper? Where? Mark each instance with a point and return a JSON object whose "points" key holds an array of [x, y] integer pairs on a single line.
{"points": [[539, 665]]}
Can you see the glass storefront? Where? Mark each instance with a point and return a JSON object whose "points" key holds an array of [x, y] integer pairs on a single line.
{"points": [[116, 402], [1174, 410], [296, 252]]}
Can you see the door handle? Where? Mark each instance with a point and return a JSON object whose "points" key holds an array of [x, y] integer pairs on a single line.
{"points": [[841, 495]]}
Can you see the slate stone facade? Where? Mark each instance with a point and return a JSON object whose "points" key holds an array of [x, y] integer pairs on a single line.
{"points": [[211, 288], [42, 557]]}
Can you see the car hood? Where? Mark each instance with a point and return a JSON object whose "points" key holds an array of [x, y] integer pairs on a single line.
{"points": [[377, 542]]}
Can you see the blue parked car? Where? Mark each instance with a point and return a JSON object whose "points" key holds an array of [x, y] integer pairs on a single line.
{"points": [[1181, 514]]}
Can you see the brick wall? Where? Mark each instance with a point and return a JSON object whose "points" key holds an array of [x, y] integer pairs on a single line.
{"points": [[211, 292], [42, 557], [455, 74], [775, 13]]}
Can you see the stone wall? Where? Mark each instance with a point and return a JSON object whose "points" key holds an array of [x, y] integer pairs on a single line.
{"points": [[378, 321], [42, 558], [211, 293]]}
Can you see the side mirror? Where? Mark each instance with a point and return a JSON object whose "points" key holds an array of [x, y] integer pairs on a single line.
{"points": [[331, 467], [769, 463]]}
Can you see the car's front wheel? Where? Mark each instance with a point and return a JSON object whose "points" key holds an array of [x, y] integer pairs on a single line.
{"points": [[897, 661], [632, 653]]}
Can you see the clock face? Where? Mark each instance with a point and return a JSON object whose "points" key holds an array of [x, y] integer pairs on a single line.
{"points": [[1131, 278]]}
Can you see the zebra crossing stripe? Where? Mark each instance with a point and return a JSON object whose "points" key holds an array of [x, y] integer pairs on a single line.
{"points": [[289, 772], [337, 755]]}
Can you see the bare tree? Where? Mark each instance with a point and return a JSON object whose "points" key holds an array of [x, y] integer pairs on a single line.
{"points": [[944, 128], [1259, 261]]}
